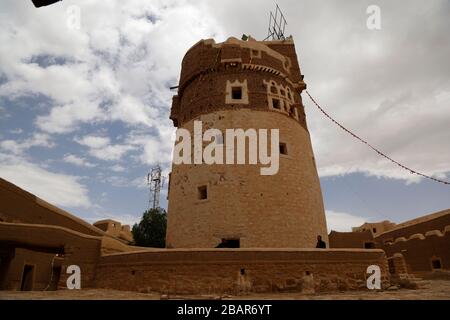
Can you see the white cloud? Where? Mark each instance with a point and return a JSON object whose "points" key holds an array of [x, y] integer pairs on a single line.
{"points": [[16, 131], [124, 219], [78, 161], [156, 149], [341, 221], [133, 111], [118, 168], [111, 152], [37, 140], [140, 183], [389, 86], [123, 54], [58, 189], [65, 118], [4, 114], [101, 147], [94, 142], [117, 67]]}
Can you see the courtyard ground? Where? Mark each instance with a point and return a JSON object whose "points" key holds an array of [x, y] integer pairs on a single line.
{"points": [[434, 290]]}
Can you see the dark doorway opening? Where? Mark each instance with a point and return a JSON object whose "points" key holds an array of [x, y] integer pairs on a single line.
{"points": [[391, 266], [436, 263], [27, 278], [369, 245], [233, 243], [56, 275], [4, 266]]}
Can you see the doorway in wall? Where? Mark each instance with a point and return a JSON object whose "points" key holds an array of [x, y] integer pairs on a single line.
{"points": [[4, 266], [369, 245], [56, 275], [436, 263], [233, 243], [27, 278], [391, 265]]}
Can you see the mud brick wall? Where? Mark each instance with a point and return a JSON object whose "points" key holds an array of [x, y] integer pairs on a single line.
{"points": [[397, 264], [18, 205], [349, 239], [437, 221], [419, 250], [233, 271]]}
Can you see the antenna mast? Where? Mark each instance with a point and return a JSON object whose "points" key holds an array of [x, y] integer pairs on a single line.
{"points": [[277, 25], [155, 182]]}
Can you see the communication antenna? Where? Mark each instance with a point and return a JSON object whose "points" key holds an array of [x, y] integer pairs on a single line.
{"points": [[277, 25], [155, 182]]}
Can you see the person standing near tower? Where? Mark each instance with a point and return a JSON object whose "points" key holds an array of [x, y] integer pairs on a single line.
{"points": [[320, 243]]}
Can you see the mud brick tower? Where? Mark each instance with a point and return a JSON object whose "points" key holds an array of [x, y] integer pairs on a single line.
{"points": [[245, 84]]}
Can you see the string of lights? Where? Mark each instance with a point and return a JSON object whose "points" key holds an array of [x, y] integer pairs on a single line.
{"points": [[372, 147]]}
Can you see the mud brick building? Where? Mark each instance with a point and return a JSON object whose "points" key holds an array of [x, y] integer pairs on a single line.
{"points": [[423, 243], [38, 241]]}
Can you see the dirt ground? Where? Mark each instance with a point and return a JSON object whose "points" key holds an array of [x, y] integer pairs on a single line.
{"points": [[436, 289]]}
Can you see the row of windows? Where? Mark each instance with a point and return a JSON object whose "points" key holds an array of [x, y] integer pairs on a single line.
{"points": [[238, 91], [280, 98]]}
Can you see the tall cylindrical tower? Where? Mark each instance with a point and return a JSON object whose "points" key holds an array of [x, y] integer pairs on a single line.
{"points": [[249, 85]]}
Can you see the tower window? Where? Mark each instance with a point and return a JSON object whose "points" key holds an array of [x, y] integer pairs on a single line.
{"points": [[255, 54], [374, 230], [283, 148], [236, 93], [202, 192], [276, 104]]}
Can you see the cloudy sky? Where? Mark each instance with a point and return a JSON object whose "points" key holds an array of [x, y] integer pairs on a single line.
{"points": [[84, 111]]}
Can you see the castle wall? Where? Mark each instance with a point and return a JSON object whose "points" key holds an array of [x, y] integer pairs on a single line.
{"points": [[282, 210], [218, 271]]}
